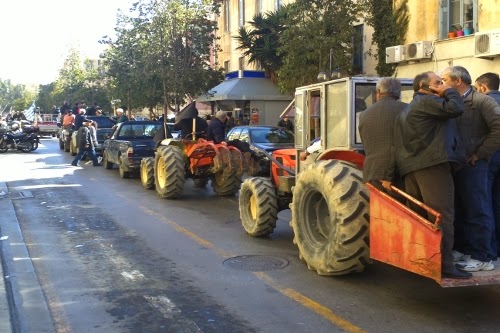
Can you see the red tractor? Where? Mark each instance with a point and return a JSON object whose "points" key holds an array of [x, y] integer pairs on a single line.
{"points": [[339, 226]]}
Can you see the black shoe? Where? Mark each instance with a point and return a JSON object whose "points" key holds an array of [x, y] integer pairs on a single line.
{"points": [[454, 273]]}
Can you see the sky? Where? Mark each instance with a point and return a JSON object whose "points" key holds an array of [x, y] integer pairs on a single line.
{"points": [[36, 35]]}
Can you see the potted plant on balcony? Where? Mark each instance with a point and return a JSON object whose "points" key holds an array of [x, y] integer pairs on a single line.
{"points": [[467, 29], [458, 30], [453, 32]]}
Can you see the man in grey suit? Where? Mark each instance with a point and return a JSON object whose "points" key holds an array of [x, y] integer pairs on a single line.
{"points": [[376, 128]]}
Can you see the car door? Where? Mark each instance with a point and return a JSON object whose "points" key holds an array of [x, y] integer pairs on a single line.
{"points": [[111, 145]]}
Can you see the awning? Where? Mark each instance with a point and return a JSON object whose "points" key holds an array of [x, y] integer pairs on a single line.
{"points": [[244, 89]]}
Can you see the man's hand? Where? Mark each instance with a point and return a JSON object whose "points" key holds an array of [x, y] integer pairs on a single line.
{"points": [[303, 155], [439, 90], [472, 159], [386, 184]]}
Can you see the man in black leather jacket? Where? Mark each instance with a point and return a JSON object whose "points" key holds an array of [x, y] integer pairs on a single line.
{"points": [[428, 151]]}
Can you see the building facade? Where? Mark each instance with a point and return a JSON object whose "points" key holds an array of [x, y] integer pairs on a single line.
{"points": [[445, 33], [237, 13]]}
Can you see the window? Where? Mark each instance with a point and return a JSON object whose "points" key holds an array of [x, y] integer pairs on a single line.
{"points": [[357, 50], [458, 15], [277, 4], [226, 66], [226, 16], [241, 12]]}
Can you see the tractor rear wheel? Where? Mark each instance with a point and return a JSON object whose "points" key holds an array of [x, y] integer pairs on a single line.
{"points": [[330, 218], [225, 182], [169, 172], [258, 206], [148, 173]]}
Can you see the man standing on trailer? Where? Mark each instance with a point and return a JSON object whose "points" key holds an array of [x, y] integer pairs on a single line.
{"points": [[428, 151], [376, 128]]}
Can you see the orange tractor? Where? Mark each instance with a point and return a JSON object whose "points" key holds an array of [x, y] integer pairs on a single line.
{"points": [[339, 226], [199, 159]]}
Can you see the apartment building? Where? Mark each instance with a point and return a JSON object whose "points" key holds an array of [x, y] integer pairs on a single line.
{"points": [[245, 91], [444, 33]]}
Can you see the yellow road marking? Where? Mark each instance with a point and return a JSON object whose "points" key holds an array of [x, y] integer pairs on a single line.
{"points": [[288, 292]]}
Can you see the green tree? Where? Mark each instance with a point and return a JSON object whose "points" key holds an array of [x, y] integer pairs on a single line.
{"points": [[390, 24], [164, 50], [260, 43], [316, 28]]}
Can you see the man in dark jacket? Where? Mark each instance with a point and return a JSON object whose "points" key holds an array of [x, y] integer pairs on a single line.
{"points": [[216, 131], [376, 128], [80, 118], [85, 144], [184, 123], [488, 84], [427, 147], [479, 129]]}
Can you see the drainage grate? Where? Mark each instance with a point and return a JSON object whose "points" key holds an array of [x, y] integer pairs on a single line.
{"points": [[256, 263]]}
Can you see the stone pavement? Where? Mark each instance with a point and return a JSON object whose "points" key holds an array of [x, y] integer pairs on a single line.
{"points": [[23, 308]]}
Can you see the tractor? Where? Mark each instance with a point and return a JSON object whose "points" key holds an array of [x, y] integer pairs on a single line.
{"points": [[177, 160], [340, 224]]}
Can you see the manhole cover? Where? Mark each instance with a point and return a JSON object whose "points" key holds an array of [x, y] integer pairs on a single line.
{"points": [[256, 263]]}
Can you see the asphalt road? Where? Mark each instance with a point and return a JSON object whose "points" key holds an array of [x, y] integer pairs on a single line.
{"points": [[109, 256]]}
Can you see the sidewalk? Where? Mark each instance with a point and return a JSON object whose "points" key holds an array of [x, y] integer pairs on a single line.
{"points": [[23, 308], [7, 213]]}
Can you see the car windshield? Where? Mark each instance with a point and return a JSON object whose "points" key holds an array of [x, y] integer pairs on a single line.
{"points": [[271, 135], [139, 130]]}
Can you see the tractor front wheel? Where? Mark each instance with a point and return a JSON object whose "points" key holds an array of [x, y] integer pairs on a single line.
{"points": [[258, 206], [330, 218], [169, 172], [148, 173]]}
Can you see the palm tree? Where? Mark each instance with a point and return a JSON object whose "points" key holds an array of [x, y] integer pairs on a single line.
{"points": [[260, 43]]}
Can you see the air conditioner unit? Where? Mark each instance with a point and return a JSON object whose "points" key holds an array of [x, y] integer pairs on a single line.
{"points": [[487, 44], [419, 50], [395, 54]]}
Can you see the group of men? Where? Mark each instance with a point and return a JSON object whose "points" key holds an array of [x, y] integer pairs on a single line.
{"points": [[443, 148]]}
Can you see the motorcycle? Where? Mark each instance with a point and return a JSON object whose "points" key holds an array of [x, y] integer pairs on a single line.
{"points": [[24, 140]]}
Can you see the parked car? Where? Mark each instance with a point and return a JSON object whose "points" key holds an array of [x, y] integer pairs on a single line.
{"points": [[263, 139], [175, 133], [128, 144], [48, 124], [104, 128]]}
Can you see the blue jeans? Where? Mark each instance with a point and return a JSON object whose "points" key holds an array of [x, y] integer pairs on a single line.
{"points": [[90, 151], [494, 183], [474, 212]]}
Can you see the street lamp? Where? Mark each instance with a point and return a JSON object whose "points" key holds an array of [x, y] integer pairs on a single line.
{"points": [[332, 74], [113, 102]]}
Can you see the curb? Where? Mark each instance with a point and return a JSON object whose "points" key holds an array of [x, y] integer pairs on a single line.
{"points": [[9, 319]]}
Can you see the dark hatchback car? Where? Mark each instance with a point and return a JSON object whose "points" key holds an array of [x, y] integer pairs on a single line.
{"points": [[263, 139]]}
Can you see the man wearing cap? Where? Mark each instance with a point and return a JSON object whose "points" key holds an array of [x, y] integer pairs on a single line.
{"points": [[85, 144]]}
